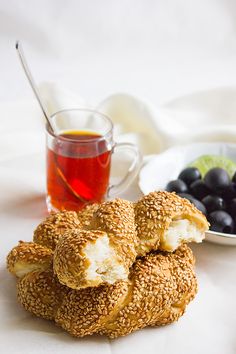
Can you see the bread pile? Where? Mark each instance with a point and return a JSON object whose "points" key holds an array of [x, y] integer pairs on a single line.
{"points": [[112, 268]]}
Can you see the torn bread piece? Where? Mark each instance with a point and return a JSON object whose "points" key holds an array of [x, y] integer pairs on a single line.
{"points": [[117, 219], [86, 258], [28, 257], [165, 221]]}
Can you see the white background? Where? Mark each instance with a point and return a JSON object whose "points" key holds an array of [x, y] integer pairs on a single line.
{"points": [[155, 49]]}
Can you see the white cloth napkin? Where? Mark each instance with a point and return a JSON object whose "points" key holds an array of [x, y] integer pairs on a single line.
{"points": [[200, 117]]}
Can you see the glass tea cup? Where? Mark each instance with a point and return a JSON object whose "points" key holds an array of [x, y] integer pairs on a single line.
{"points": [[79, 153]]}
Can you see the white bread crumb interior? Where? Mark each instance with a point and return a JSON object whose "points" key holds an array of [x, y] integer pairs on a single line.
{"points": [[180, 231], [104, 262], [22, 268]]}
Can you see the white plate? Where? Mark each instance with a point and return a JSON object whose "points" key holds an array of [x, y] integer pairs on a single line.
{"points": [[166, 166]]}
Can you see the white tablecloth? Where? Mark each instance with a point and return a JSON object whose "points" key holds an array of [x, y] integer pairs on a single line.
{"points": [[209, 323]]}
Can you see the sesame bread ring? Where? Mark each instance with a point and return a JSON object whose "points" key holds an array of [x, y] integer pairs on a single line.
{"points": [[54, 226], [165, 221], [41, 293], [93, 283], [27, 257], [85, 258]]}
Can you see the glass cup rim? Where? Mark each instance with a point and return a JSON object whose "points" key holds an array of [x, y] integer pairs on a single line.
{"points": [[85, 141]]}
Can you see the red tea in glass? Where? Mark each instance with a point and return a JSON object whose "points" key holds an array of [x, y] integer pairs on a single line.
{"points": [[78, 175], [79, 154]]}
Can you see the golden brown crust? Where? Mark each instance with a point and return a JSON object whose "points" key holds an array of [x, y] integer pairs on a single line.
{"points": [[162, 285], [154, 213], [41, 293], [117, 219], [85, 215], [28, 256], [83, 312], [186, 285], [53, 228], [70, 262]]}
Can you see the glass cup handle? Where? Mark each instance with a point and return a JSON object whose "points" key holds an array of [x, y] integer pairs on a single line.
{"points": [[132, 172]]}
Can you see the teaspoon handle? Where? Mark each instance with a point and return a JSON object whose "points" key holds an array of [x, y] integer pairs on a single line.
{"points": [[31, 81]]}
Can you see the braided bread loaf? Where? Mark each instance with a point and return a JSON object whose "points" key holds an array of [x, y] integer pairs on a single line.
{"points": [[83, 274]]}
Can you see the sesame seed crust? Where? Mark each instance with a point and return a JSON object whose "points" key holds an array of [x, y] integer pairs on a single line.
{"points": [[154, 213], [28, 255], [83, 312], [85, 215], [162, 286], [117, 219], [50, 230], [70, 262], [41, 293]]}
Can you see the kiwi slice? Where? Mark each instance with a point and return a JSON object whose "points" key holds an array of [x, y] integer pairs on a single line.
{"points": [[205, 162]]}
